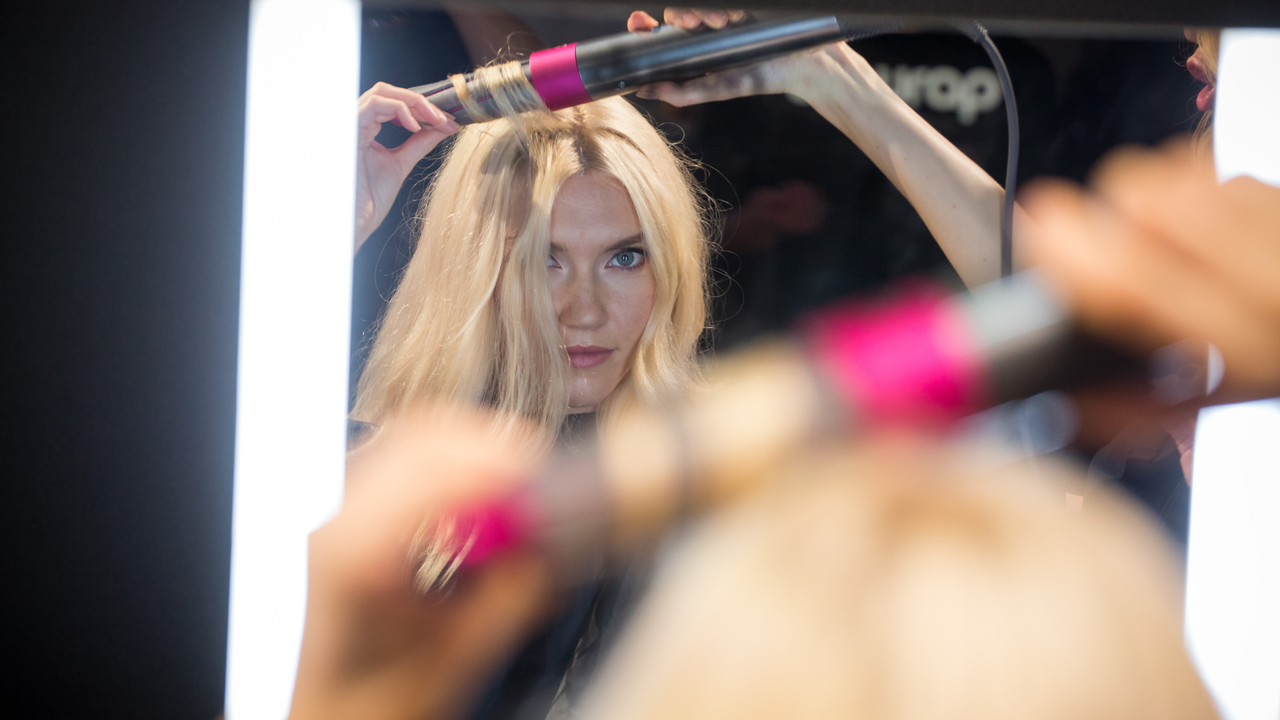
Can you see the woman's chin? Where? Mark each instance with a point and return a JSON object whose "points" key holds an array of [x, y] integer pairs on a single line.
{"points": [[589, 388], [585, 399]]}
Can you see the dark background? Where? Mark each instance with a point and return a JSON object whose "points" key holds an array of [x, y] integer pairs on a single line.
{"points": [[122, 169], [123, 162]]}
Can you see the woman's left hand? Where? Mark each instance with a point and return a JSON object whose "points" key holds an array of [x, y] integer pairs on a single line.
{"points": [[780, 75], [959, 203]]}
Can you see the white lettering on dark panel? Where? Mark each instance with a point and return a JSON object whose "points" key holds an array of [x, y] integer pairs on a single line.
{"points": [[943, 88]]}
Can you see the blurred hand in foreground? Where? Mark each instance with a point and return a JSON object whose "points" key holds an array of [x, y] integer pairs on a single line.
{"points": [[374, 648], [1157, 251]]}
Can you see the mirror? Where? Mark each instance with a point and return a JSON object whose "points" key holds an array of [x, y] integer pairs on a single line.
{"points": [[804, 216]]}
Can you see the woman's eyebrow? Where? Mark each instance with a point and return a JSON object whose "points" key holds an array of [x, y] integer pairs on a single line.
{"points": [[629, 240]]}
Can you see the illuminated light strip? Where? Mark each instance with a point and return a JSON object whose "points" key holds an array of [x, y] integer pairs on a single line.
{"points": [[295, 305], [1247, 105], [1233, 556]]}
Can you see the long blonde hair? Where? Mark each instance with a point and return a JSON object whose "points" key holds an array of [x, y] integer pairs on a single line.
{"points": [[472, 319], [893, 585]]}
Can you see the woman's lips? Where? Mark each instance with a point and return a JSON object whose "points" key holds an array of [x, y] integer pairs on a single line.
{"points": [[1204, 100], [1195, 66], [587, 356]]}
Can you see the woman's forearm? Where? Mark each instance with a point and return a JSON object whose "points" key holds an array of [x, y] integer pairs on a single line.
{"points": [[959, 202]]}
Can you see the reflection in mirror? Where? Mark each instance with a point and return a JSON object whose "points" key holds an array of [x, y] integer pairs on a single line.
{"points": [[576, 270], [807, 217]]}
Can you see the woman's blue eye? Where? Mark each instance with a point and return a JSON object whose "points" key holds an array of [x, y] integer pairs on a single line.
{"points": [[628, 258]]}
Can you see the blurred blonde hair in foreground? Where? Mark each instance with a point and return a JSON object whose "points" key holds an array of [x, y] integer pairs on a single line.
{"points": [[889, 584]]}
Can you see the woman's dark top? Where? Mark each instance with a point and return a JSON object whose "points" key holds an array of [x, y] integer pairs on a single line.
{"points": [[1144, 462]]}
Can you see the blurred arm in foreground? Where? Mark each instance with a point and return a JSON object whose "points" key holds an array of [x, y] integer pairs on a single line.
{"points": [[1156, 251]]}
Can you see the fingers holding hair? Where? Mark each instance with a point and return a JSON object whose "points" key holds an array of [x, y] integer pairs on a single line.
{"points": [[685, 18], [641, 21], [388, 103]]}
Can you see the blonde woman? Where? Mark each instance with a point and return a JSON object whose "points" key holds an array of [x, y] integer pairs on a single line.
{"points": [[561, 266], [574, 234]]}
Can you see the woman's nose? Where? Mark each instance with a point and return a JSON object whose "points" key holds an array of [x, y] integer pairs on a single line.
{"points": [[579, 305]]}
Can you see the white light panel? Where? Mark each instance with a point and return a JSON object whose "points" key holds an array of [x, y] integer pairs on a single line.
{"points": [[295, 306], [1246, 111], [1233, 557]]}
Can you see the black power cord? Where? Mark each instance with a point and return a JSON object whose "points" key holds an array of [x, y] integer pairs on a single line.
{"points": [[977, 33]]}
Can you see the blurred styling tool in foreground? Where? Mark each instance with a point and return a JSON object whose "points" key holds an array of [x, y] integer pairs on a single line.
{"points": [[922, 359]]}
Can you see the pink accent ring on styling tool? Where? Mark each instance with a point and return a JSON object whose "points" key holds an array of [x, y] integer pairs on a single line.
{"points": [[907, 362], [555, 77], [498, 526]]}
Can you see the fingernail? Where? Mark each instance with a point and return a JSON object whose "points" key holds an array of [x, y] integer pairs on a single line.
{"points": [[451, 125], [716, 20]]}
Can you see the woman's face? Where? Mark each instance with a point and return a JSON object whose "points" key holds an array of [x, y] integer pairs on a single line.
{"points": [[601, 283]]}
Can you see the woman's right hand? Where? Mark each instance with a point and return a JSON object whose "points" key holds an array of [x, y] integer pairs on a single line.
{"points": [[380, 171]]}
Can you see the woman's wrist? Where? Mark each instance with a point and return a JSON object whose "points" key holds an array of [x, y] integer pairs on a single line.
{"points": [[831, 73], [847, 91]]}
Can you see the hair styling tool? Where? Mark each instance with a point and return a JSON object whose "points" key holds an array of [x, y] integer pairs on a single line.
{"points": [[580, 72], [921, 359], [590, 70]]}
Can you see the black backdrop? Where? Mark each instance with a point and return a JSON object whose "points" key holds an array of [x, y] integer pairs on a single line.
{"points": [[122, 166]]}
